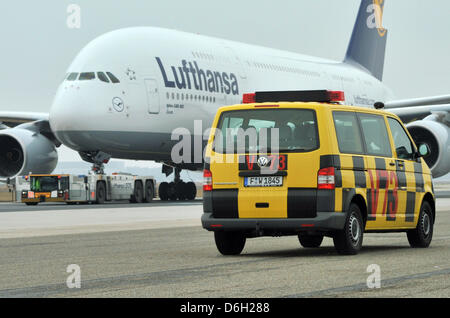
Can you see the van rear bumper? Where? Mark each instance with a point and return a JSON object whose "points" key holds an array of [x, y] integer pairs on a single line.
{"points": [[324, 221]]}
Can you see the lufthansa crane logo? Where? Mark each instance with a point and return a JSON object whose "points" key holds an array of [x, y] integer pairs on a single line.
{"points": [[375, 19], [117, 103]]}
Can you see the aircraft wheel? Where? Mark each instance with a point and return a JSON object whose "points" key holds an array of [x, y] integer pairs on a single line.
{"points": [[163, 191], [101, 193], [191, 190], [172, 192]]}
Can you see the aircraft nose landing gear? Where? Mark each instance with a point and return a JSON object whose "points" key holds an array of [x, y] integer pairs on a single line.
{"points": [[178, 189]]}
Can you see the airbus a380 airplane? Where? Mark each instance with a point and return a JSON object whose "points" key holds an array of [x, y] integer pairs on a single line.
{"points": [[128, 90]]}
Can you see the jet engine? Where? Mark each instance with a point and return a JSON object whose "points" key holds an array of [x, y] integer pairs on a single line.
{"points": [[24, 150], [437, 136]]}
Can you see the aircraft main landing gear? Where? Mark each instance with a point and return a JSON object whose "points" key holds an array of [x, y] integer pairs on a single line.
{"points": [[178, 189]]}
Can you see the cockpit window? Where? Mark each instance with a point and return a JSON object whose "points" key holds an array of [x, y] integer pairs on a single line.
{"points": [[113, 78], [101, 76], [87, 76], [72, 76]]}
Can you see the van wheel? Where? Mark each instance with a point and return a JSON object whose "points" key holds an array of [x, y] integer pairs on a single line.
{"points": [[421, 236], [229, 243], [101, 193], [349, 240], [310, 241]]}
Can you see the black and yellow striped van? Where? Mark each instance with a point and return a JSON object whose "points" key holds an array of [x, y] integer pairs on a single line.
{"points": [[314, 169]]}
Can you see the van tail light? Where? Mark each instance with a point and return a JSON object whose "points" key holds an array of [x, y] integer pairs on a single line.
{"points": [[325, 179], [207, 180]]}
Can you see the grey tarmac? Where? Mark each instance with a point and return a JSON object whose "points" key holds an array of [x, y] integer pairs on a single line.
{"points": [[170, 255]]}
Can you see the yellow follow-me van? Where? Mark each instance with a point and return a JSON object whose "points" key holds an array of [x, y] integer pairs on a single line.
{"points": [[313, 168]]}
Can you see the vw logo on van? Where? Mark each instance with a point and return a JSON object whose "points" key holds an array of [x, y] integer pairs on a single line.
{"points": [[263, 161]]}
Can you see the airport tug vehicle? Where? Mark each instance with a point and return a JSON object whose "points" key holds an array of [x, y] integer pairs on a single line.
{"points": [[95, 188], [336, 171]]}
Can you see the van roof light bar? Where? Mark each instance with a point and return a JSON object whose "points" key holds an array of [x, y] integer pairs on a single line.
{"points": [[320, 96]]}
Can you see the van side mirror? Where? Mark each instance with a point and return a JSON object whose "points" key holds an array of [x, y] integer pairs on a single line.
{"points": [[424, 150]]}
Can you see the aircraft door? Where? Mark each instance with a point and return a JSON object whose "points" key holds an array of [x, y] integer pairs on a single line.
{"points": [[151, 87]]}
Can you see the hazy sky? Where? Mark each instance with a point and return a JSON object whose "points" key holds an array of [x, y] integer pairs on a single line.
{"points": [[37, 46]]}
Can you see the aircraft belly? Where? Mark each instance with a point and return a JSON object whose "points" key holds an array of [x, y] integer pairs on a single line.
{"points": [[123, 145]]}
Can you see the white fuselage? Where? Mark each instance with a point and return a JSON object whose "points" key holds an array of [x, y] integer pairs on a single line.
{"points": [[169, 79]]}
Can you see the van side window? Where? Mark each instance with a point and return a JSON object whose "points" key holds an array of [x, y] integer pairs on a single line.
{"points": [[347, 132], [375, 135], [402, 143]]}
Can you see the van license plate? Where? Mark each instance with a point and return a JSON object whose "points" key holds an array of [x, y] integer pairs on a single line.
{"points": [[263, 181]]}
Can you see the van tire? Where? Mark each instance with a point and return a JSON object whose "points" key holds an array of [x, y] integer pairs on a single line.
{"points": [[349, 240], [229, 243], [310, 241], [422, 235]]}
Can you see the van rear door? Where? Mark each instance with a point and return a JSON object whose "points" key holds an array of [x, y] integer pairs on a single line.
{"points": [[267, 162]]}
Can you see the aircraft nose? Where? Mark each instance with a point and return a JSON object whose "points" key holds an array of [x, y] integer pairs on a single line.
{"points": [[69, 115], [65, 109]]}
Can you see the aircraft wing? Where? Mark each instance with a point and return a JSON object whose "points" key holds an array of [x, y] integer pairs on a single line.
{"points": [[433, 100], [409, 114], [415, 109], [12, 119]]}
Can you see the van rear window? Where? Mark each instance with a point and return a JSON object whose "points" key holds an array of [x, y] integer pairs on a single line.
{"points": [[267, 130]]}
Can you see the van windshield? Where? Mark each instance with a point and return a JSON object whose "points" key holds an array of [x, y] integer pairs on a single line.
{"points": [[267, 130]]}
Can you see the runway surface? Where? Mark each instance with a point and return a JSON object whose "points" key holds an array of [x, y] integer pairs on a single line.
{"points": [[160, 250]]}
